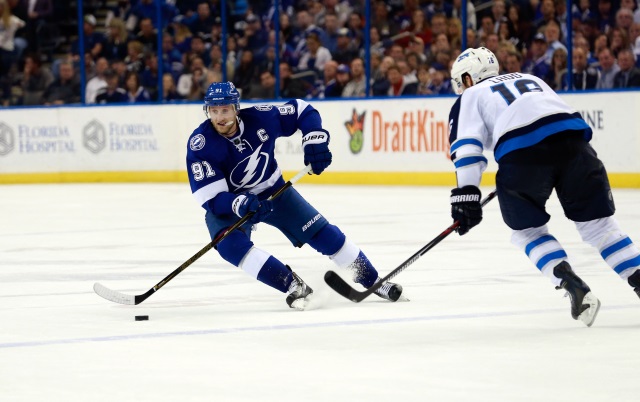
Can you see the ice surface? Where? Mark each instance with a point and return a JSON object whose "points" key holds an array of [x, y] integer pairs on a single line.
{"points": [[482, 324]]}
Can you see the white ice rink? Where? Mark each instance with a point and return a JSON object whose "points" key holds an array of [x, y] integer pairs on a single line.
{"points": [[482, 324]]}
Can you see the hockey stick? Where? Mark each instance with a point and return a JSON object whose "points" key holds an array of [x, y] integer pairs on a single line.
{"points": [[344, 289], [118, 297]]}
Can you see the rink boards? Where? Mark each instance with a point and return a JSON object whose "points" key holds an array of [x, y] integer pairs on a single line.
{"points": [[374, 141]]}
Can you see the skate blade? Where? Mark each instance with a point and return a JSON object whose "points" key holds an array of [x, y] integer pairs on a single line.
{"points": [[589, 315], [303, 303], [403, 299]]}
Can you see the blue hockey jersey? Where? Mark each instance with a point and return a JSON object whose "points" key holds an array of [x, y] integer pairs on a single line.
{"points": [[219, 168]]}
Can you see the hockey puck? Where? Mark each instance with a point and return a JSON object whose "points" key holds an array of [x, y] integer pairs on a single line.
{"points": [[142, 318]]}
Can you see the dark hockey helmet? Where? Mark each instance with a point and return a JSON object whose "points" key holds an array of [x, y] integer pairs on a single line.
{"points": [[221, 94]]}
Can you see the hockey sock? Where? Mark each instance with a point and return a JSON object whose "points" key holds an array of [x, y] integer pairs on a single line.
{"points": [[542, 249], [267, 269], [615, 247], [332, 242]]}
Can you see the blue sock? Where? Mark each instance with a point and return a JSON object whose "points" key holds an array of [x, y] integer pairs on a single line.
{"points": [[275, 274]]}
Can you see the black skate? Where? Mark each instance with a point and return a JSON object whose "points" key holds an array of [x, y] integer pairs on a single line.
{"points": [[390, 291], [298, 293], [584, 305], [634, 281]]}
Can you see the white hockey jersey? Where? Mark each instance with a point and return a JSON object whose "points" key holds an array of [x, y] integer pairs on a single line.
{"points": [[503, 114]]}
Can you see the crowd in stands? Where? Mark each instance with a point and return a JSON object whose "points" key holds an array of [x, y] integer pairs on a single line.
{"points": [[321, 47]]}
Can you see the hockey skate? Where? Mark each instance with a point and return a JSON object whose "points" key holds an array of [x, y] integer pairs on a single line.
{"points": [[584, 305], [299, 293], [634, 281], [390, 291]]}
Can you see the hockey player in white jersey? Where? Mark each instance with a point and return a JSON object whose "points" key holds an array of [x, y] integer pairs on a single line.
{"points": [[540, 144]]}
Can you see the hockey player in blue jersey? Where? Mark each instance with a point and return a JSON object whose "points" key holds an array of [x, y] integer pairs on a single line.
{"points": [[232, 172], [540, 144]]}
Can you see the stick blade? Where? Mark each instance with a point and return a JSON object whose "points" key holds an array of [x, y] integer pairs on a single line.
{"points": [[345, 290], [113, 295]]}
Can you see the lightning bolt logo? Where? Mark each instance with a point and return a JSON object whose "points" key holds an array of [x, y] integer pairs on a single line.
{"points": [[252, 164]]}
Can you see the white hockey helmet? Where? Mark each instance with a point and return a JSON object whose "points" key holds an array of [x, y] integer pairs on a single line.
{"points": [[478, 63]]}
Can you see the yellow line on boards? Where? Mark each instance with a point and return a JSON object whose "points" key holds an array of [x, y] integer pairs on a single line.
{"points": [[618, 180]]}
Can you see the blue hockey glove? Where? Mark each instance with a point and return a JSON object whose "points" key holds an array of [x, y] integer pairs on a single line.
{"points": [[316, 150], [245, 203], [466, 207]]}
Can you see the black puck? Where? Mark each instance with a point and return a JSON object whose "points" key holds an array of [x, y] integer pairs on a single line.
{"points": [[142, 318]]}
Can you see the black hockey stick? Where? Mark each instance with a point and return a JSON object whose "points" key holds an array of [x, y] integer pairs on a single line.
{"points": [[118, 297], [343, 288]]}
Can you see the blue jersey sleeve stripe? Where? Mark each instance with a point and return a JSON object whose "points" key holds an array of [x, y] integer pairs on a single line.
{"points": [[470, 160], [465, 141]]}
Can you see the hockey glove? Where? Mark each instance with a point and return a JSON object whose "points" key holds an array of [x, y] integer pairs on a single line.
{"points": [[316, 150], [246, 203], [466, 208]]}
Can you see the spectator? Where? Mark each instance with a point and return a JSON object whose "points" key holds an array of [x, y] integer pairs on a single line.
{"points": [[440, 85], [93, 41], [552, 33], [538, 64], [380, 84], [382, 21], [9, 24], [135, 56], [112, 93], [187, 80], [267, 87], [608, 69], [134, 89], [246, 73], [548, 13], [629, 74], [314, 56], [329, 75], [331, 27], [65, 89], [424, 81], [95, 84], [618, 40], [147, 35], [441, 7], [199, 48], [182, 37], [171, 57], [624, 19], [201, 23], [149, 77], [169, 91], [122, 11], [584, 77], [255, 34], [290, 87], [419, 28], [35, 80], [39, 12], [148, 9], [472, 22], [345, 47], [454, 34], [604, 16], [115, 45], [356, 87], [398, 85], [335, 87], [558, 68], [514, 62]]}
